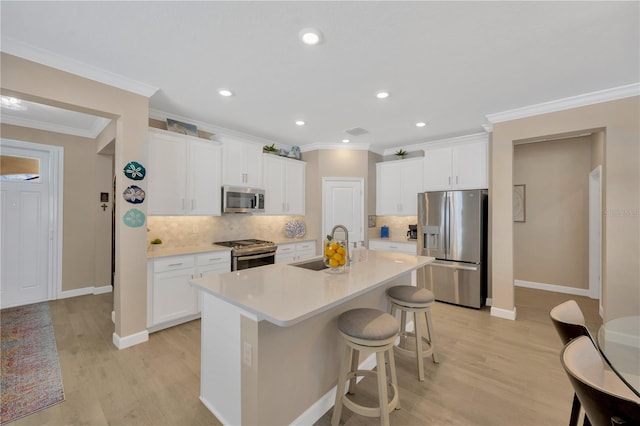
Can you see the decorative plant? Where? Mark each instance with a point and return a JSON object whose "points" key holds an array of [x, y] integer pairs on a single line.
{"points": [[270, 148], [401, 152], [156, 241]]}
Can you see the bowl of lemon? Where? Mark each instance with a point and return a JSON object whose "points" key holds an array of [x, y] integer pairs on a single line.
{"points": [[335, 255]]}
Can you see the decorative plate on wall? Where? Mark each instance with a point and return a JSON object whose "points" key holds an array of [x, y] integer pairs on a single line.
{"points": [[134, 170], [133, 218], [134, 194], [295, 228]]}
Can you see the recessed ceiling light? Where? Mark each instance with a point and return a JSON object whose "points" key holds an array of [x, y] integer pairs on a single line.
{"points": [[345, 140], [300, 123], [421, 124], [383, 95], [225, 92], [310, 36]]}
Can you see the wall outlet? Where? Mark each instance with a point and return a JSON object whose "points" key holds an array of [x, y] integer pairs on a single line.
{"points": [[247, 354]]}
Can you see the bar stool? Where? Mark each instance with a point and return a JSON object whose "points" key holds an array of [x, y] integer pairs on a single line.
{"points": [[370, 330], [408, 298]]}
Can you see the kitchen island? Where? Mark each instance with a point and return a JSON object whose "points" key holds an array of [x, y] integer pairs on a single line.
{"points": [[270, 345]]}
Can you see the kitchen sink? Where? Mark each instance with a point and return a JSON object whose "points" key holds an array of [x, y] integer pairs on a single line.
{"points": [[314, 265]]}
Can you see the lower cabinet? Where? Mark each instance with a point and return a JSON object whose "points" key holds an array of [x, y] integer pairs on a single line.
{"points": [[289, 252], [171, 300], [408, 247]]}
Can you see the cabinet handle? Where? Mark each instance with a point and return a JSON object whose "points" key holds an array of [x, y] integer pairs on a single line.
{"points": [[449, 180], [175, 264], [193, 204], [182, 203], [215, 258], [457, 180], [393, 247]]}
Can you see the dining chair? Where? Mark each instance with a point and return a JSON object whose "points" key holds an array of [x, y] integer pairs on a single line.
{"points": [[568, 320], [605, 404]]}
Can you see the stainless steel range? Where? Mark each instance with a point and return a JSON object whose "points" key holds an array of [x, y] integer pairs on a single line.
{"points": [[250, 253]]}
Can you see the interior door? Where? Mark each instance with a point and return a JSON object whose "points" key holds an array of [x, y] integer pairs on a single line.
{"points": [[343, 204], [25, 226]]}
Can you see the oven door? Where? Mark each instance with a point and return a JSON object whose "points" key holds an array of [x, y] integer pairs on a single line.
{"points": [[253, 260]]}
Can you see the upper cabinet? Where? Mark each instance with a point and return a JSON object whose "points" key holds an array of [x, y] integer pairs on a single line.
{"points": [[397, 186], [183, 175], [241, 163], [284, 185], [462, 166]]}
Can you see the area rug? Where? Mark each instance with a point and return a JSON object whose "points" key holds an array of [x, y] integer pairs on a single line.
{"points": [[30, 372]]}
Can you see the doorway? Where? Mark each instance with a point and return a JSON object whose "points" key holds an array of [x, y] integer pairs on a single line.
{"points": [[31, 223], [595, 236], [343, 203]]}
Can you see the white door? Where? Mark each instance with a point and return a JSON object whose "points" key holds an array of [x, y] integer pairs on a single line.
{"points": [[343, 204], [25, 226]]}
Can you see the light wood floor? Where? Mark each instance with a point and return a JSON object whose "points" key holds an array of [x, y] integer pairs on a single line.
{"points": [[491, 372]]}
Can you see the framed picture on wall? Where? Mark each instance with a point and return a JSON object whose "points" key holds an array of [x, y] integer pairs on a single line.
{"points": [[519, 203]]}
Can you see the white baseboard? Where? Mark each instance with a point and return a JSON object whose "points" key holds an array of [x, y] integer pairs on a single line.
{"points": [[84, 291], [131, 340], [489, 301], [324, 404], [215, 412], [503, 313], [553, 287]]}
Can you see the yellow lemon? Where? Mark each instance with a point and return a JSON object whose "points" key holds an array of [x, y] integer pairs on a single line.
{"points": [[334, 246], [341, 250], [334, 263], [343, 261], [329, 252], [337, 256]]}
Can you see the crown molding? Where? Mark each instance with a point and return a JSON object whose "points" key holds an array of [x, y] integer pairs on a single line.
{"points": [[585, 99], [97, 127], [64, 63], [458, 140], [336, 145], [157, 114]]}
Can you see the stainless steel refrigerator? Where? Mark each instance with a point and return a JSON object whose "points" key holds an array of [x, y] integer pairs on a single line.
{"points": [[452, 227]]}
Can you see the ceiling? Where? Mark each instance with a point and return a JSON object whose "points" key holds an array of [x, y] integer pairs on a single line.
{"points": [[448, 64]]}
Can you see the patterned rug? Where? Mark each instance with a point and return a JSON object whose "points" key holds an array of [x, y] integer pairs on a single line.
{"points": [[30, 372]]}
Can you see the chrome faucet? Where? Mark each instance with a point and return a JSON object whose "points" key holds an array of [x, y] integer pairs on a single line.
{"points": [[346, 235]]}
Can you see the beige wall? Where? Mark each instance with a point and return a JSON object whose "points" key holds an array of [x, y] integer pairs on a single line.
{"points": [[621, 250], [332, 163], [552, 245], [86, 238], [31, 81]]}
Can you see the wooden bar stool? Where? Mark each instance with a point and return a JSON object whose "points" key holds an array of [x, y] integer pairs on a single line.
{"points": [[408, 298], [370, 330]]}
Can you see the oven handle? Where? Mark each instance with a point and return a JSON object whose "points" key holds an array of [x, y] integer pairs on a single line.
{"points": [[256, 256]]}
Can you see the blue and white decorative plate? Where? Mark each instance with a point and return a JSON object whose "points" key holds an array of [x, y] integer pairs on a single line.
{"points": [[295, 228], [134, 194], [133, 218], [134, 170]]}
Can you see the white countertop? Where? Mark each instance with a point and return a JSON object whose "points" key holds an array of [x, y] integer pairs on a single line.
{"points": [[285, 295], [177, 251]]}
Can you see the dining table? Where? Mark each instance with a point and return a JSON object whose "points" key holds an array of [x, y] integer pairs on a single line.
{"points": [[619, 342]]}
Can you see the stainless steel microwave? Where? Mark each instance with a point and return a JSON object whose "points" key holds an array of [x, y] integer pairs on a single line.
{"points": [[237, 199]]}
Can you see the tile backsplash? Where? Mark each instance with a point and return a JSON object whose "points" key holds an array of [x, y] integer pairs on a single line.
{"points": [[398, 226], [182, 231]]}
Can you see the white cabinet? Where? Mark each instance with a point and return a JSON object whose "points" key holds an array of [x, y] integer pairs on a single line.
{"points": [[183, 175], [289, 252], [461, 166], [241, 163], [397, 186], [171, 300], [408, 247], [284, 185]]}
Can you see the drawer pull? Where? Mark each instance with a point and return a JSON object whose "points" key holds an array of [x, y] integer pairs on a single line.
{"points": [[216, 258], [175, 264]]}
